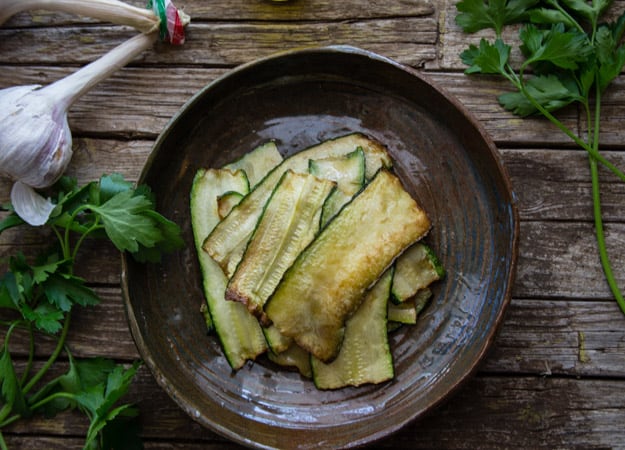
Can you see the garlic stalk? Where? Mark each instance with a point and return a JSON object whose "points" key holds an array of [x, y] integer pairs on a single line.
{"points": [[113, 11], [35, 139], [161, 14]]}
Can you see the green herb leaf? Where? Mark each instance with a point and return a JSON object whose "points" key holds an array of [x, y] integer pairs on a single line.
{"points": [[489, 58], [110, 185], [9, 292], [126, 222], [171, 240], [477, 15], [564, 49], [9, 384], [65, 290], [547, 90], [45, 316], [546, 16], [588, 10], [10, 221], [610, 54]]}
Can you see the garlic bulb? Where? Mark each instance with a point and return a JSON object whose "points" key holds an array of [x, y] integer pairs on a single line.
{"points": [[35, 139]]}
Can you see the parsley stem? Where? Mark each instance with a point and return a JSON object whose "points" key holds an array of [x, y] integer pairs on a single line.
{"points": [[599, 231], [591, 150], [52, 397], [57, 351], [84, 235], [3, 444], [31, 353], [10, 420], [5, 411]]}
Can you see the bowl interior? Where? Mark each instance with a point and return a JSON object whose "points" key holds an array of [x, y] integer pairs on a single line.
{"points": [[444, 159]]}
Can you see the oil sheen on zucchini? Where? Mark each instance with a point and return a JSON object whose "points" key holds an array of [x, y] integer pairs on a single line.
{"points": [[232, 233], [328, 280], [415, 269], [365, 355], [258, 162], [289, 222], [348, 171], [239, 332]]}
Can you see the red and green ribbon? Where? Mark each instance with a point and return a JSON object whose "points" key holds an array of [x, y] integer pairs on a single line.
{"points": [[171, 27]]}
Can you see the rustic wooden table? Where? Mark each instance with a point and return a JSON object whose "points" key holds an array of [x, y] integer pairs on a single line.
{"points": [[554, 376]]}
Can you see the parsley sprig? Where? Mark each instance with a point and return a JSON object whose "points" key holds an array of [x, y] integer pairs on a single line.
{"points": [[568, 56], [39, 298]]}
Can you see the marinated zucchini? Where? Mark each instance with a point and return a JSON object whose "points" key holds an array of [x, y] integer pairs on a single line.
{"points": [[227, 201], [289, 222], [415, 269], [316, 258], [365, 355], [257, 163], [347, 171], [328, 280], [239, 332], [294, 356], [235, 229]]}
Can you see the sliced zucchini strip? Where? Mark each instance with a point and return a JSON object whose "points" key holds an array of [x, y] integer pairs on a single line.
{"points": [[237, 227], [294, 356], [239, 332], [415, 269], [227, 201], [276, 341], [365, 355], [258, 163], [327, 281], [347, 171], [289, 222]]}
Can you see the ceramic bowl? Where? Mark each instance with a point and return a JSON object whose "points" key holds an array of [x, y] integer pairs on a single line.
{"points": [[445, 160]]}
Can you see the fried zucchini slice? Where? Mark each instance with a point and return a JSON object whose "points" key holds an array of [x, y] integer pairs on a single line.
{"points": [[239, 332], [235, 229], [328, 280], [365, 355], [289, 222]]}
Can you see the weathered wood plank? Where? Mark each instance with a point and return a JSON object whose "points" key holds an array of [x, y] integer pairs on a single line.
{"points": [[487, 413], [101, 330], [537, 337], [106, 109], [237, 10], [560, 260], [556, 259], [558, 249], [556, 185], [549, 185], [229, 44], [553, 337]]}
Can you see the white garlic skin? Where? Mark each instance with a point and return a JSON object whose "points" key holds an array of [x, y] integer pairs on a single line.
{"points": [[35, 139]]}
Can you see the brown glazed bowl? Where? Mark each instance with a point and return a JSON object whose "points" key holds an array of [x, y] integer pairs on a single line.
{"points": [[445, 160]]}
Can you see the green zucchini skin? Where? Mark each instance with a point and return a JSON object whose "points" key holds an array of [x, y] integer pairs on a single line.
{"points": [[328, 280], [293, 356], [235, 229], [289, 222], [365, 355], [348, 171], [257, 163], [415, 269], [239, 333]]}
